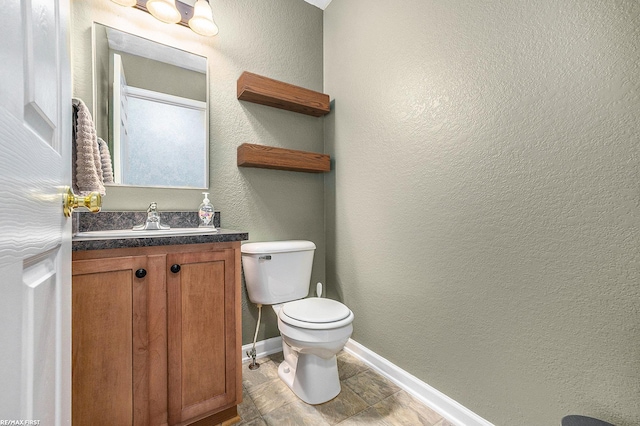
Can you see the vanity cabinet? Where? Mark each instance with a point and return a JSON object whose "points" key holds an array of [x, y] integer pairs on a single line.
{"points": [[156, 335]]}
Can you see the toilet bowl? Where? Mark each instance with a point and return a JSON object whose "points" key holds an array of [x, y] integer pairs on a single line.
{"points": [[313, 330], [310, 367]]}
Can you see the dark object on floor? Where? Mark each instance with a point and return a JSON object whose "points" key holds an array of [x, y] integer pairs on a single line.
{"points": [[574, 420]]}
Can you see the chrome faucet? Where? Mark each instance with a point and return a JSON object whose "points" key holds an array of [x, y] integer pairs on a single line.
{"points": [[153, 220]]}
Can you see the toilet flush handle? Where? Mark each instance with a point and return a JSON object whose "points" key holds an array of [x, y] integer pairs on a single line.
{"points": [[267, 257]]}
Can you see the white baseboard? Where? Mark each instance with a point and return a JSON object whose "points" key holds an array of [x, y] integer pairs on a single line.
{"points": [[445, 406], [263, 348], [431, 397]]}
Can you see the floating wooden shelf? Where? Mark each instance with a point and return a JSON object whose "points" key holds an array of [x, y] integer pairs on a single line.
{"points": [[266, 91], [268, 157]]}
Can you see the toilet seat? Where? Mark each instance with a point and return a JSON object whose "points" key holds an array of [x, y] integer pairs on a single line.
{"points": [[316, 309], [316, 313]]}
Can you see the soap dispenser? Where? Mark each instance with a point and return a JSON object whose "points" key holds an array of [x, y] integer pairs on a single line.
{"points": [[205, 212]]}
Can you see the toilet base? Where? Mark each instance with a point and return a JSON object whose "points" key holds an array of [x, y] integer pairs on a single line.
{"points": [[313, 379]]}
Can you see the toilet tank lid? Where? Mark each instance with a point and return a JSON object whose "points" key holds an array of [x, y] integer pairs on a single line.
{"points": [[277, 246]]}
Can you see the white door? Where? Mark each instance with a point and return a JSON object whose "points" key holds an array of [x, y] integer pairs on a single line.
{"points": [[120, 116], [35, 257]]}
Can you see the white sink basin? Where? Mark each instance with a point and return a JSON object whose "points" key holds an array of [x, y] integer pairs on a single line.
{"points": [[129, 233]]}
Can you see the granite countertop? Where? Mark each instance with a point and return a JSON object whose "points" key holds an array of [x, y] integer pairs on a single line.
{"points": [[104, 221], [222, 236]]}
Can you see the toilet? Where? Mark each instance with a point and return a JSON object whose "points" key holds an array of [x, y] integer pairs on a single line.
{"points": [[313, 329]]}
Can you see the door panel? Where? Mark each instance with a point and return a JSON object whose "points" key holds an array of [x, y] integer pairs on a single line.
{"points": [[120, 117], [203, 357], [39, 328], [41, 59], [102, 348]]}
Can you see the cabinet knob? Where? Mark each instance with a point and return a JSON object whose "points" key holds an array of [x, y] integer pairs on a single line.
{"points": [[175, 268], [141, 273]]}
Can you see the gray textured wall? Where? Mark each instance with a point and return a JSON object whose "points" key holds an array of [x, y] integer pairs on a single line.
{"points": [[281, 39], [166, 78], [483, 215]]}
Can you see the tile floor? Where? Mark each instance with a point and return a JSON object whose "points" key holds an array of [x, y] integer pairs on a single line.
{"points": [[366, 398]]}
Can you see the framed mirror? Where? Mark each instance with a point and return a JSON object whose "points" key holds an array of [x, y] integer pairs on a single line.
{"points": [[151, 107]]}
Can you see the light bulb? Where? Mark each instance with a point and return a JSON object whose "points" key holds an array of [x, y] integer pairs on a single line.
{"points": [[164, 10], [202, 21]]}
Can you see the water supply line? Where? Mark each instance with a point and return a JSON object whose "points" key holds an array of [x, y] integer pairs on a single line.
{"points": [[252, 353]]}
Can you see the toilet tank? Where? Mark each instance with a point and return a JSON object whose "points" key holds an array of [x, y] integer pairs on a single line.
{"points": [[277, 271]]}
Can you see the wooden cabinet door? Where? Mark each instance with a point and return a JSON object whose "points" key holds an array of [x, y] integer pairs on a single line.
{"points": [[201, 310], [110, 339]]}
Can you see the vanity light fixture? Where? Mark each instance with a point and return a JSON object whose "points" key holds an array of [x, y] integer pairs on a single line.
{"points": [[198, 17]]}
